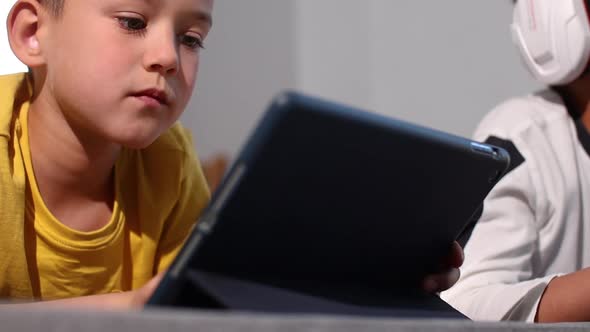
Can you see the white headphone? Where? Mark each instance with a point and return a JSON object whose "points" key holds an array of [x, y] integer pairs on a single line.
{"points": [[553, 37]]}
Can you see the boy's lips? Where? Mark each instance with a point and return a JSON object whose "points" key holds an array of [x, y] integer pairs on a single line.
{"points": [[153, 96]]}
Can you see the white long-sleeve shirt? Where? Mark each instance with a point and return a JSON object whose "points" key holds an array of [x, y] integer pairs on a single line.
{"points": [[536, 221]]}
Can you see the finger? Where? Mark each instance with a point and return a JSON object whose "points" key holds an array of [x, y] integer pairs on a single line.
{"points": [[153, 283], [457, 256], [441, 282], [145, 292]]}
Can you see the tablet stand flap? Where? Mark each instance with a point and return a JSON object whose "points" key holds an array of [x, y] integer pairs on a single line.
{"points": [[216, 291]]}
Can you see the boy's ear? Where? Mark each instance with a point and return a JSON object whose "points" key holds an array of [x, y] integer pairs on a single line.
{"points": [[23, 25]]}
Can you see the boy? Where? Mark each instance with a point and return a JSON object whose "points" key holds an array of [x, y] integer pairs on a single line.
{"points": [[529, 254], [99, 188]]}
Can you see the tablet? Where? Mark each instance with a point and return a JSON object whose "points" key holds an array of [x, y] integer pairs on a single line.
{"points": [[332, 203]]}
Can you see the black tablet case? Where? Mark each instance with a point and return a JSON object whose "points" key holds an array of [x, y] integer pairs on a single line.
{"points": [[330, 209]]}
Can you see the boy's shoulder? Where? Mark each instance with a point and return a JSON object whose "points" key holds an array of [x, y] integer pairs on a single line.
{"points": [[517, 115], [10, 92], [173, 151], [169, 167], [176, 139]]}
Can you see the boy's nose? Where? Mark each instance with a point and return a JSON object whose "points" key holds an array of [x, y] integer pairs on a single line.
{"points": [[162, 56]]}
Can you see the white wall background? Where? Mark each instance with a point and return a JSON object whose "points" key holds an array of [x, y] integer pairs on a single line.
{"points": [[249, 56], [8, 62], [443, 64]]}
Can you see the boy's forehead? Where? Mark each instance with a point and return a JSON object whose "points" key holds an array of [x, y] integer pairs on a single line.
{"points": [[199, 11], [205, 7]]}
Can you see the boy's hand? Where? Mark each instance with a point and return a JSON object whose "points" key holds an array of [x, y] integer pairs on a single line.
{"points": [[439, 282], [131, 300]]}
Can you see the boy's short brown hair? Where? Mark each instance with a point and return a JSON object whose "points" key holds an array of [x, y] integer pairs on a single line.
{"points": [[55, 7]]}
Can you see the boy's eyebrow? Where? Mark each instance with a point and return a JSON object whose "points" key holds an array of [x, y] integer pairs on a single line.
{"points": [[202, 16], [198, 15]]}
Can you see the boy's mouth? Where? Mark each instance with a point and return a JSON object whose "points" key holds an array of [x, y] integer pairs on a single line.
{"points": [[156, 95]]}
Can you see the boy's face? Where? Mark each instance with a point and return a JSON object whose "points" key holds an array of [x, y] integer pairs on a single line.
{"points": [[124, 70]]}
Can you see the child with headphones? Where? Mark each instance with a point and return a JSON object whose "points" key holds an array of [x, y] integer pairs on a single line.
{"points": [[528, 257]]}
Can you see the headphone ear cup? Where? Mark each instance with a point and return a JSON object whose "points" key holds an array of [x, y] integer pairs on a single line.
{"points": [[553, 38]]}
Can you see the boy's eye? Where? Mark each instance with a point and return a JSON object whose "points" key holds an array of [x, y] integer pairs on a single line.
{"points": [[191, 41], [132, 23]]}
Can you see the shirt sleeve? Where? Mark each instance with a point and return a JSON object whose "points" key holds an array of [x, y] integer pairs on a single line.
{"points": [[497, 278], [193, 196]]}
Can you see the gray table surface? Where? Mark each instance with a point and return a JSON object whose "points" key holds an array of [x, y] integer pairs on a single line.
{"points": [[186, 320]]}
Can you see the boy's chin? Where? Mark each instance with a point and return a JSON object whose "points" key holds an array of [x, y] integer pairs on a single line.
{"points": [[137, 143]]}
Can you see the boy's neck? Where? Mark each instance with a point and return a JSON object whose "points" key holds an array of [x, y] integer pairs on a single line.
{"points": [[576, 96], [71, 169]]}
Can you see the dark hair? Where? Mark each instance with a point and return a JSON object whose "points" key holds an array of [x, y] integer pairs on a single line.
{"points": [[55, 7]]}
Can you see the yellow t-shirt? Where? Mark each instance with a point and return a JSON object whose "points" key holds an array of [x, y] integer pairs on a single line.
{"points": [[159, 193]]}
